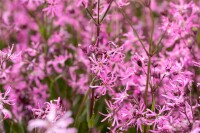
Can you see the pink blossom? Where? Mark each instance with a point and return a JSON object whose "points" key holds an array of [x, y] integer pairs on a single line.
{"points": [[54, 7], [53, 119]]}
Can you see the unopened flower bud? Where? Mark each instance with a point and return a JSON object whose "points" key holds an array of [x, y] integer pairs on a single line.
{"points": [[139, 63]]}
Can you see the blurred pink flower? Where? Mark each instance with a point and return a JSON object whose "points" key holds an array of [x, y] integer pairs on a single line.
{"points": [[54, 7], [53, 119], [51, 125]]}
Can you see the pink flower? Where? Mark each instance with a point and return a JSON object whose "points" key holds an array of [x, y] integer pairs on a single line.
{"points": [[4, 97], [139, 114], [53, 119], [156, 118], [99, 64], [107, 84], [120, 97], [51, 125], [54, 7], [3, 101], [7, 114], [112, 114], [9, 54]]}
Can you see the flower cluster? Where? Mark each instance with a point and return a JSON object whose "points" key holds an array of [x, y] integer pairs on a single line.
{"points": [[117, 65]]}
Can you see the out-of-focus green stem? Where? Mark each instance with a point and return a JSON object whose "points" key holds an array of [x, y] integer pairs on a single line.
{"points": [[81, 106], [21, 127]]}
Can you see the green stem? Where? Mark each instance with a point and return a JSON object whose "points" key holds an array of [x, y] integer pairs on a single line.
{"points": [[153, 102], [149, 59], [147, 80], [21, 127], [92, 101], [81, 106], [149, 68], [92, 105]]}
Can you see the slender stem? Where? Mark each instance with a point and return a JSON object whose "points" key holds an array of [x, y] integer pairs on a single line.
{"points": [[153, 93], [134, 30], [21, 127], [98, 11], [98, 32], [148, 79], [92, 101], [90, 90], [106, 11], [98, 24], [89, 13], [191, 104], [152, 28], [153, 102], [149, 58], [92, 104], [159, 42], [83, 102], [81, 106], [149, 67]]}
